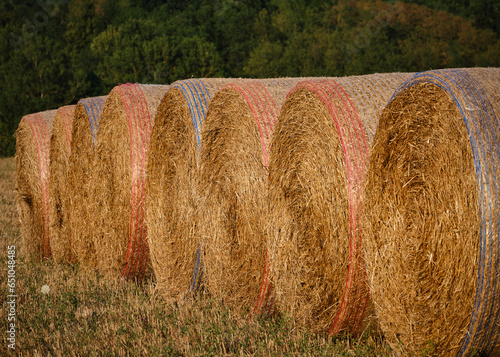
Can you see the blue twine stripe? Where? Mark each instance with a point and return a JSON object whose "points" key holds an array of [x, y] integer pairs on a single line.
{"points": [[445, 85], [202, 106], [185, 91], [489, 325], [192, 93], [197, 98], [468, 89], [93, 107], [204, 91], [198, 265], [485, 269], [198, 120], [495, 331]]}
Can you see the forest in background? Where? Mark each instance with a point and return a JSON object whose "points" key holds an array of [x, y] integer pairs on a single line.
{"points": [[55, 52]]}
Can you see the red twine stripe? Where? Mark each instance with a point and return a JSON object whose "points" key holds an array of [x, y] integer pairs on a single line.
{"points": [[355, 146], [140, 126], [265, 112]]}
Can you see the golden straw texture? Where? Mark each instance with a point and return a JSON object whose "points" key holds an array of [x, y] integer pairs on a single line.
{"points": [[60, 148], [317, 166], [78, 219], [122, 152], [431, 215], [172, 179], [233, 162], [32, 179]]}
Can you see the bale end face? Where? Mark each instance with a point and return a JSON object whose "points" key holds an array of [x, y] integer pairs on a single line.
{"points": [[122, 153], [80, 178], [307, 181], [233, 186], [32, 175], [171, 190], [111, 188], [421, 223], [60, 148], [318, 163]]}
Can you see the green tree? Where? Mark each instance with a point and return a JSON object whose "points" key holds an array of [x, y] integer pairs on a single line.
{"points": [[231, 29], [34, 78], [195, 57], [132, 52], [365, 37]]}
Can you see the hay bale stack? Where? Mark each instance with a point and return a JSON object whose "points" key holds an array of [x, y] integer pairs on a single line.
{"points": [[233, 163], [32, 179], [78, 218], [171, 184], [319, 159], [60, 148], [122, 154], [431, 222]]}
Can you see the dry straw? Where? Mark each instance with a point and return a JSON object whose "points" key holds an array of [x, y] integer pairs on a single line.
{"points": [[78, 218], [319, 158], [60, 148], [171, 184], [122, 152], [32, 179], [233, 163], [431, 222]]}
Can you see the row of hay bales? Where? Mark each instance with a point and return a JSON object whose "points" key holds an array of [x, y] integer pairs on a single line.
{"points": [[345, 202]]}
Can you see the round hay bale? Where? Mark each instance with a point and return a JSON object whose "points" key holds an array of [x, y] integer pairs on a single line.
{"points": [[320, 152], [431, 222], [60, 148], [233, 163], [122, 152], [32, 179], [171, 185], [78, 218]]}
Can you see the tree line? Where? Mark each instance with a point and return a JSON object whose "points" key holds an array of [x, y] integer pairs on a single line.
{"points": [[54, 52]]}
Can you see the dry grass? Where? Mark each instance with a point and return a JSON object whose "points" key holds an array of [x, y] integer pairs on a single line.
{"points": [[87, 315]]}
